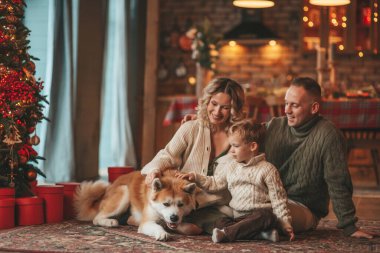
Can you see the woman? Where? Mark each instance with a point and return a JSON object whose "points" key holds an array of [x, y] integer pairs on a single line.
{"points": [[198, 144]]}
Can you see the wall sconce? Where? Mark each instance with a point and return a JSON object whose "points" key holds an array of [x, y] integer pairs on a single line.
{"points": [[329, 2], [253, 3]]}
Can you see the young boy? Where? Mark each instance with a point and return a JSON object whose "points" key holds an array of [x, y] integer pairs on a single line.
{"points": [[259, 201]]}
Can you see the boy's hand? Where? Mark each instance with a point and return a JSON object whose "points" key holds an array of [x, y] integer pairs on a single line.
{"points": [[290, 233], [188, 117], [188, 176]]}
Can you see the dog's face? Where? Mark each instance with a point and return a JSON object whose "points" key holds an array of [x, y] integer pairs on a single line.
{"points": [[172, 199]]}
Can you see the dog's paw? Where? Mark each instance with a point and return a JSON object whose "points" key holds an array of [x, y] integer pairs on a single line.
{"points": [[162, 236], [106, 222]]}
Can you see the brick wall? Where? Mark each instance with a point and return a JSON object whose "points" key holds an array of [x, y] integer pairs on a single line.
{"points": [[257, 65]]}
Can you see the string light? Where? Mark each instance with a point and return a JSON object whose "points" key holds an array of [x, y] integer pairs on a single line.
{"points": [[232, 43]]}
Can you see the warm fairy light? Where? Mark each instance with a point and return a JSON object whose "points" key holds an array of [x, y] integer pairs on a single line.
{"points": [[361, 54], [375, 20], [344, 18], [192, 80], [232, 43], [305, 8], [272, 43], [375, 5], [334, 22], [375, 14], [344, 25], [305, 19], [333, 15], [310, 24], [341, 47]]}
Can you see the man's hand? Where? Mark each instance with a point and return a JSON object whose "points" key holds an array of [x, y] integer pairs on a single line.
{"points": [[188, 117], [150, 176], [187, 176], [363, 234]]}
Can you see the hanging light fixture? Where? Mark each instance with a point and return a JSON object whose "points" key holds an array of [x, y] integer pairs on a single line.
{"points": [[253, 3], [329, 2]]}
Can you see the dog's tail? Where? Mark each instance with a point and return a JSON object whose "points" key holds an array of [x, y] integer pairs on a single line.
{"points": [[87, 199]]}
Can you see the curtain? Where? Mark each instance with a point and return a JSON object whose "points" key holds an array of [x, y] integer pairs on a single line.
{"points": [[116, 145], [89, 89], [60, 81]]}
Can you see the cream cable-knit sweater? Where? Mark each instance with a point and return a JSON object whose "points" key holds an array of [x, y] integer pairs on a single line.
{"points": [[254, 185], [189, 151]]}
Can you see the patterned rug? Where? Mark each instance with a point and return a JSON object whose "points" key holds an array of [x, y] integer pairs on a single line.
{"points": [[74, 236]]}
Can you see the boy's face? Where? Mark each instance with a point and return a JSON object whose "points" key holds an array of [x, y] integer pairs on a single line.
{"points": [[241, 151]]}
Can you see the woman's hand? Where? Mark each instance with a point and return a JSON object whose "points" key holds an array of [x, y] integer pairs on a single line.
{"points": [[290, 233], [152, 175], [187, 176], [188, 117]]}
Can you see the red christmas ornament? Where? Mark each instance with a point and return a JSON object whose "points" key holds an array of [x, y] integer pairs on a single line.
{"points": [[31, 129], [31, 175], [23, 159]]}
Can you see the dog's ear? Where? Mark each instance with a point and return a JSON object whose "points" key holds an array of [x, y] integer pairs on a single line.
{"points": [[190, 188], [156, 185]]}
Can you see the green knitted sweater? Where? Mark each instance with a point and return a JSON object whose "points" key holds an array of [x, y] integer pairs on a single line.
{"points": [[312, 161]]}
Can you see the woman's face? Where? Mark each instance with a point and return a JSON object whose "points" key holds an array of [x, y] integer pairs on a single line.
{"points": [[219, 108]]}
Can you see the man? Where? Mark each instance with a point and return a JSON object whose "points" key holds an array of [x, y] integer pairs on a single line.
{"points": [[311, 156]]}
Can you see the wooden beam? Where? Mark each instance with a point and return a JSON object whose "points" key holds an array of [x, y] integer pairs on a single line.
{"points": [[150, 82]]}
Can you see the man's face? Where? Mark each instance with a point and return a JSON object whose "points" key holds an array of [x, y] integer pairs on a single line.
{"points": [[298, 106]]}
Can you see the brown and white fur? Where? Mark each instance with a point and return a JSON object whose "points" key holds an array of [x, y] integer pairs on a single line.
{"points": [[165, 202]]}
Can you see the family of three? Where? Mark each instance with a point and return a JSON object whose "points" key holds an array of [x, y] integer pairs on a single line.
{"points": [[259, 179]]}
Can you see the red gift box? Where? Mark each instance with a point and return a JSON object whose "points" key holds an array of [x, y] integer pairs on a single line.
{"points": [[29, 211], [53, 196], [115, 172], [7, 213], [69, 189], [7, 193]]}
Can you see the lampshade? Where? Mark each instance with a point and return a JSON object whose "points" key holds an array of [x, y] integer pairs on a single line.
{"points": [[253, 3], [329, 2]]}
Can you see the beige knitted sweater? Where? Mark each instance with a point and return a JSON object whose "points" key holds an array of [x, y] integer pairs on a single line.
{"points": [[189, 151], [254, 185]]}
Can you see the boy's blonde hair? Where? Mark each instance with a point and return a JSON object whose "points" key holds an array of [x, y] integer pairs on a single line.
{"points": [[249, 131], [231, 88]]}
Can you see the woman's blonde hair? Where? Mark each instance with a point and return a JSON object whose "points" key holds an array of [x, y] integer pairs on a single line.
{"points": [[229, 87]]}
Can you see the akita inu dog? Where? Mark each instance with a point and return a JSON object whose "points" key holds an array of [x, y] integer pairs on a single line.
{"points": [[164, 204]]}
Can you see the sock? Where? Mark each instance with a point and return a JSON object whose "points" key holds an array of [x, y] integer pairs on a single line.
{"points": [[270, 235], [218, 235]]}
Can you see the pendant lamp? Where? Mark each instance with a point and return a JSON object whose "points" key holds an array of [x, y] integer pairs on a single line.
{"points": [[253, 3], [329, 2]]}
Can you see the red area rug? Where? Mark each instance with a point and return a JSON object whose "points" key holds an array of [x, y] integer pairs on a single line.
{"points": [[74, 236]]}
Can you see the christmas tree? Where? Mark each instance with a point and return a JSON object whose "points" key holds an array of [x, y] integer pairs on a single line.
{"points": [[21, 103]]}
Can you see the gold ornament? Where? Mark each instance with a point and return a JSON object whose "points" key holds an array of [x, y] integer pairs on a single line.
{"points": [[35, 140]]}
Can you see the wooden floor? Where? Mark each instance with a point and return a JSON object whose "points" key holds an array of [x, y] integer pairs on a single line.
{"points": [[366, 192]]}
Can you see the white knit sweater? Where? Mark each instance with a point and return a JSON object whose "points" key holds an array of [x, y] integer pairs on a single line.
{"points": [[189, 151], [254, 185]]}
